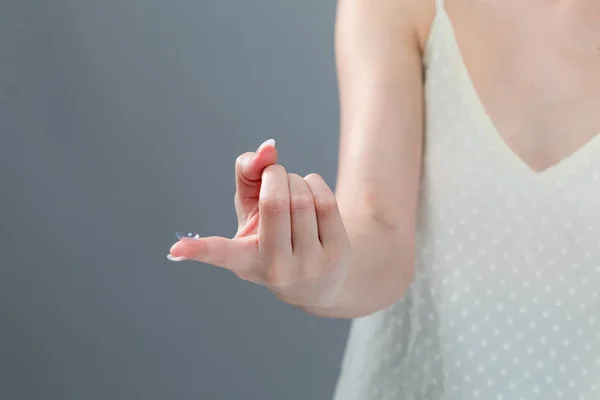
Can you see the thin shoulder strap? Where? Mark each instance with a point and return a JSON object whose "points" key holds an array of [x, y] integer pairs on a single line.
{"points": [[439, 5]]}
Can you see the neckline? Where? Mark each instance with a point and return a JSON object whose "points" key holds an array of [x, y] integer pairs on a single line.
{"points": [[517, 161]]}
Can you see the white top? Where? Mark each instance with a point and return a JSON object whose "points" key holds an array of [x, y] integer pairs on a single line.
{"points": [[505, 304]]}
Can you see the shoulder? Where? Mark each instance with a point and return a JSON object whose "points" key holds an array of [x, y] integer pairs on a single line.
{"points": [[423, 12], [410, 18]]}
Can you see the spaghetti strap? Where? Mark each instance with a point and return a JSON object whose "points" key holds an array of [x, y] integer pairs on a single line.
{"points": [[439, 5]]}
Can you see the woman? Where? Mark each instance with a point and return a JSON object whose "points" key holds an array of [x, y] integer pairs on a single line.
{"points": [[464, 234]]}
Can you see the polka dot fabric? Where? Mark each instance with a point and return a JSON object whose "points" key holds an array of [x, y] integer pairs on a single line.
{"points": [[505, 304]]}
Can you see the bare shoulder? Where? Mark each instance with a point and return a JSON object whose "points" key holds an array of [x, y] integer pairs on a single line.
{"points": [[410, 18]]}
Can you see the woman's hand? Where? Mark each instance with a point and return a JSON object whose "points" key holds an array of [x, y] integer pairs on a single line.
{"points": [[290, 238]]}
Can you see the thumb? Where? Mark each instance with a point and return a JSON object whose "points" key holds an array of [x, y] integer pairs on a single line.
{"points": [[233, 254], [249, 167]]}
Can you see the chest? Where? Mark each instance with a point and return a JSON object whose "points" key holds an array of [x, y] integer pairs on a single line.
{"points": [[535, 69]]}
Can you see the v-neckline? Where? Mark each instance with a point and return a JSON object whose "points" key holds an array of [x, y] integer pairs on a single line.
{"points": [[519, 161]]}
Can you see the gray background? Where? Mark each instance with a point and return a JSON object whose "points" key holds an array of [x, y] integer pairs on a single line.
{"points": [[120, 121]]}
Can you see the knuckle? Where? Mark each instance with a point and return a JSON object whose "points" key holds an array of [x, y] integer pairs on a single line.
{"points": [[302, 202], [242, 158], [274, 206], [326, 205]]}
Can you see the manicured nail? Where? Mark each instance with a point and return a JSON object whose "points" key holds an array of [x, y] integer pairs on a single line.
{"points": [[269, 142], [173, 258], [186, 235]]}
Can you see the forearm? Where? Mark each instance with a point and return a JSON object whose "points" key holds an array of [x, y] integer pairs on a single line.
{"points": [[380, 270]]}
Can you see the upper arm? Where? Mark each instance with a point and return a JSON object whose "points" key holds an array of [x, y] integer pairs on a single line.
{"points": [[381, 103]]}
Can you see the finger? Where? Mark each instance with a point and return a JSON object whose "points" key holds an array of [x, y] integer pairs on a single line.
{"points": [[249, 167], [274, 225], [329, 221], [305, 235], [233, 254]]}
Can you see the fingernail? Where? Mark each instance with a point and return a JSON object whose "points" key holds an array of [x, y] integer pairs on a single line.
{"points": [[173, 258], [188, 235], [269, 142]]}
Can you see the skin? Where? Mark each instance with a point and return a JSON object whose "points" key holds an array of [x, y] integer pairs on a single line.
{"points": [[536, 68]]}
